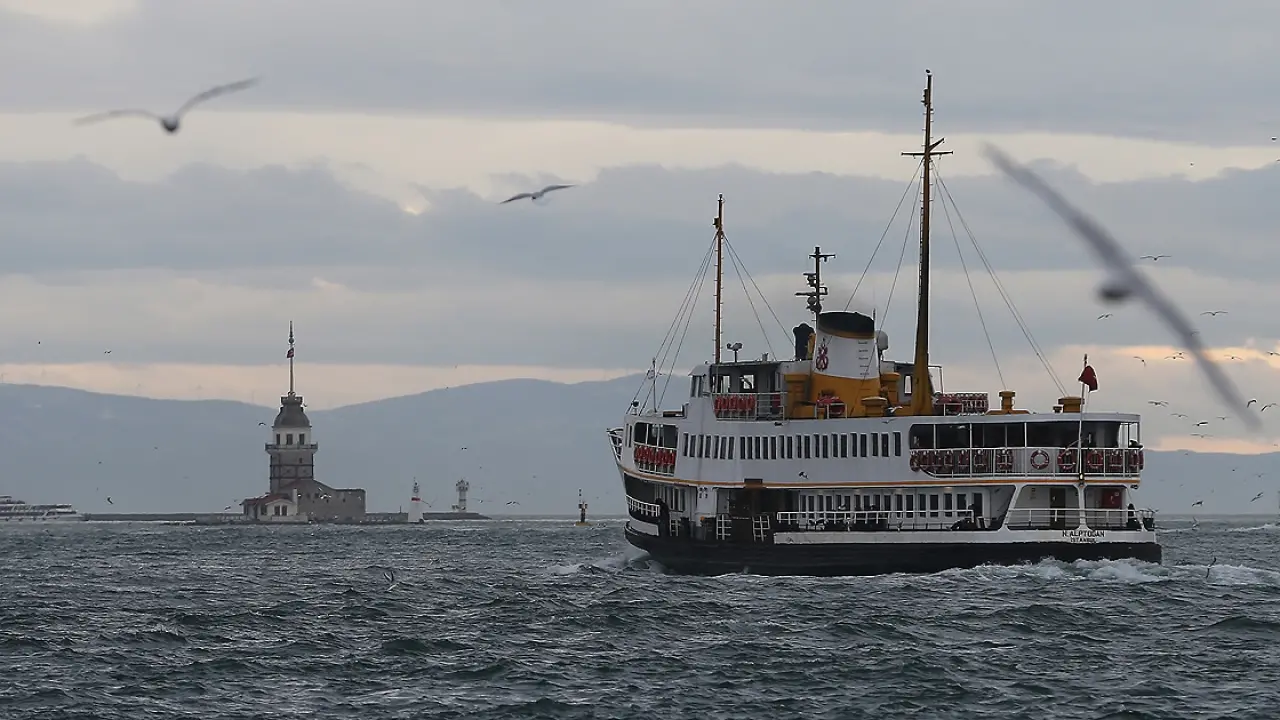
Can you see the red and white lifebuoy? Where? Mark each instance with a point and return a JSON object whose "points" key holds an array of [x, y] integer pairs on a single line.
{"points": [[1040, 459], [1067, 460], [962, 462], [915, 462], [1093, 461]]}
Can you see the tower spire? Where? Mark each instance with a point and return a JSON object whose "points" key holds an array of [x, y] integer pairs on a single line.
{"points": [[921, 386], [290, 355]]}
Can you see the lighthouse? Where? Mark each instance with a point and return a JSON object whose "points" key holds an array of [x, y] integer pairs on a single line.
{"points": [[415, 504], [292, 446]]}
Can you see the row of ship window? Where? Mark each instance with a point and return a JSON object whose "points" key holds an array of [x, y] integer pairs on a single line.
{"points": [[894, 502], [789, 447]]}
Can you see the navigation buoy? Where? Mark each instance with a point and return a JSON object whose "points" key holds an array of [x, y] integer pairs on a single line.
{"points": [[582, 512]]}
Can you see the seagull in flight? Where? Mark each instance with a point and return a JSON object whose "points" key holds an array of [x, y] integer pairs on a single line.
{"points": [[1126, 281], [1198, 502], [1177, 415], [170, 123], [1255, 497], [1251, 402], [1104, 316], [1214, 313], [1154, 258], [1159, 403], [1141, 360], [537, 195], [1264, 407]]}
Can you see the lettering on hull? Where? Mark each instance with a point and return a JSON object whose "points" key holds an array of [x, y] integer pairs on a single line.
{"points": [[1083, 535]]}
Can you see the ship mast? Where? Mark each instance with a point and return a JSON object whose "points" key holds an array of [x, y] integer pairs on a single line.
{"points": [[921, 387], [719, 224]]}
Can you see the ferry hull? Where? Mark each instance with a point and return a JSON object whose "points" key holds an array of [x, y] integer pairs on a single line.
{"points": [[685, 557]]}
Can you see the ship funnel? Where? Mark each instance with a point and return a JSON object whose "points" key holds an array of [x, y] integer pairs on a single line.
{"points": [[846, 362]]}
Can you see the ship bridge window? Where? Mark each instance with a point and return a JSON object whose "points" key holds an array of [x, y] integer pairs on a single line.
{"points": [[1106, 434], [1053, 434], [952, 436], [670, 435], [921, 437]]}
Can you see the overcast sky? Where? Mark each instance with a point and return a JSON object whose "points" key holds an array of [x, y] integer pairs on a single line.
{"points": [[353, 191]]}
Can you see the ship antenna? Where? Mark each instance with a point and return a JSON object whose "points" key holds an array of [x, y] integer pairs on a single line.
{"points": [[719, 225], [290, 358], [921, 386], [817, 289]]}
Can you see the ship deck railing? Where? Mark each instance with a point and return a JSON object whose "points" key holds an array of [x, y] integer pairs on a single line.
{"points": [[641, 510], [1072, 518], [875, 520], [750, 406], [1029, 462]]}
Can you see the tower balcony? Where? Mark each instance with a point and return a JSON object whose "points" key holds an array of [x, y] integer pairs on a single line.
{"points": [[273, 447]]}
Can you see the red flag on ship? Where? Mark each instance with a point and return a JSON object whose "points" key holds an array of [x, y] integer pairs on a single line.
{"points": [[289, 354], [1089, 378]]}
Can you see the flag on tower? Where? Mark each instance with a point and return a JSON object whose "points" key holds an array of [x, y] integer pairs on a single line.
{"points": [[1089, 378], [289, 354]]}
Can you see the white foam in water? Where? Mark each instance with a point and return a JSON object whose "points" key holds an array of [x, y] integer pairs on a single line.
{"points": [[1269, 527], [1239, 575]]}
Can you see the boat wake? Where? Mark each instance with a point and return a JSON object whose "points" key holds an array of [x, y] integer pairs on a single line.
{"points": [[630, 560], [1269, 527]]}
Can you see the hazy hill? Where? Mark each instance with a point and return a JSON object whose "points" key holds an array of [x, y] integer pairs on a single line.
{"points": [[531, 441]]}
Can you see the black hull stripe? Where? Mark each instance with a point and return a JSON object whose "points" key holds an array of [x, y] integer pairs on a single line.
{"points": [[688, 557]]}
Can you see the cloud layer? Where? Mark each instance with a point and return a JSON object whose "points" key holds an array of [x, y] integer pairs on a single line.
{"points": [[209, 265], [1146, 68]]}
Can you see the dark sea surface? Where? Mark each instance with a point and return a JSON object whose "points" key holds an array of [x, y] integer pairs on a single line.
{"points": [[540, 619]]}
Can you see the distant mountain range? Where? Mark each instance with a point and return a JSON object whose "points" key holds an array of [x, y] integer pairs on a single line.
{"points": [[530, 442]]}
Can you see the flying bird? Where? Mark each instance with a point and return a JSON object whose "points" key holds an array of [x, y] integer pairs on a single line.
{"points": [[1160, 403], [1255, 497], [1264, 407], [1125, 281], [1154, 258], [262, 424], [1104, 316], [1178, 415], [1214, 313], [535, 195], [171, 122], [1198, 502], [1141, 360], [803, 474], [1251, 402], [1202, 423]]}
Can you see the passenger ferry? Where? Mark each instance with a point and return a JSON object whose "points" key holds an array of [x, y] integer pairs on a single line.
{"points": [[12, 510], [842, 461]]}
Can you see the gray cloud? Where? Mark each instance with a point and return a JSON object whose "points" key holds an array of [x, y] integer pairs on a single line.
{"points": [[1147, 68], [207, 265]]}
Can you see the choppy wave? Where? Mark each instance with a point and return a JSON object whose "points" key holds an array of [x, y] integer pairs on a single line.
{"points": [[539, 619]]}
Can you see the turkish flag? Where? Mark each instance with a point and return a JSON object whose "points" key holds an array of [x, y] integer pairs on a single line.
{"points": [[1089, 378]]}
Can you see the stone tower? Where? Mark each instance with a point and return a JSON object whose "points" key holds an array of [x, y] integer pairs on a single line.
{"points": [[291, 447]]}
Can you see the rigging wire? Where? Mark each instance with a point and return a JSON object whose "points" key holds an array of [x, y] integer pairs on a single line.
{"points": [[702, 278], [742, 271], [976, 305], [689, 294], [1004, 295], [906, 239], [737, 268], [910, 186]]}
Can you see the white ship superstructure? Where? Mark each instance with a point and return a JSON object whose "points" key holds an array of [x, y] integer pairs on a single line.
{"points": [[13, 510]]}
